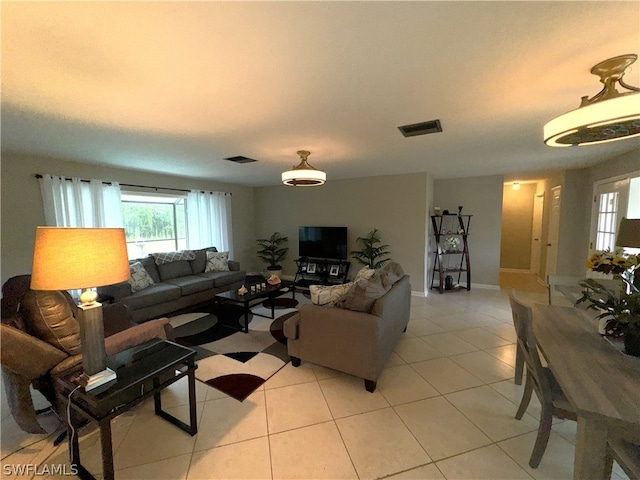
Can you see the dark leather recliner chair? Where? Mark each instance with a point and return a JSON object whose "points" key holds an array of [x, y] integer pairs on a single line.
{"points": [[41, 341]]}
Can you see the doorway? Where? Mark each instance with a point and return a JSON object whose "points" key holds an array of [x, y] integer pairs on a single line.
{"points": [[554, 230], [521, 237], [536, 235]]}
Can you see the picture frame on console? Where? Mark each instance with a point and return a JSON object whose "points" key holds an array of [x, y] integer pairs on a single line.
{"points": [[311, 268], [334, 271]]}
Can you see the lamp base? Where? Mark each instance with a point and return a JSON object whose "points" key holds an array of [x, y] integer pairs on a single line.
{"points": [[106, 378]]}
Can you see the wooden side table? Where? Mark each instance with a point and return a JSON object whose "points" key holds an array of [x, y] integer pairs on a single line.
{"points": [[142, 371]]}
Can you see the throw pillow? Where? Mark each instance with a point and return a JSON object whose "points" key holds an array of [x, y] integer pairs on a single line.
{"points": [[168, 257], [363, 294], [365, 273], [217, 262], [328, 295], [140, 278], [394, 271]]}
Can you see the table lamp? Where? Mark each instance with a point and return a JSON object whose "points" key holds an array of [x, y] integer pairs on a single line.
{"points": [[629, 233], [82, 258]]}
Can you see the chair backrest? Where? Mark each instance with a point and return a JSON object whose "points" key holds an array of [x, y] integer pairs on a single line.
{"points": [[523, 323]]}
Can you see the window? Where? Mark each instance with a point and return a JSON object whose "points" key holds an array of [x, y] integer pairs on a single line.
{"points": [[613, 199], [153, 223]]}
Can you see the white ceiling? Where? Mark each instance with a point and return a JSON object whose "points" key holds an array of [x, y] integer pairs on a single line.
{"points": [[175, 87]]}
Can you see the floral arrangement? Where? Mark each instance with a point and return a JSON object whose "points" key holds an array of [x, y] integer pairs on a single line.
{"points": [[623, 306], [452, 244], [616, 262]]}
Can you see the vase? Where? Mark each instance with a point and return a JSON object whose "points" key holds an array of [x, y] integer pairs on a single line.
{"points": [[632, 342]]}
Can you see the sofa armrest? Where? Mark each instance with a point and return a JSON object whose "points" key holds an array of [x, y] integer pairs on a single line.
{"points": [[233, 265], [291, 326], [136, 335], [26, 355], [117, 291]]}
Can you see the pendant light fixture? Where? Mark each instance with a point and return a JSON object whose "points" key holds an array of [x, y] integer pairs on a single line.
{"points": [[304, 175], [608, 116]]}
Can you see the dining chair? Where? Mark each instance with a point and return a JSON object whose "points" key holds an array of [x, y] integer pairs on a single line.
{"points": [[623, 446], [539, 379]]}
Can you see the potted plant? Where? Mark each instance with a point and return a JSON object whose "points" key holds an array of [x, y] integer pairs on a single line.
{"points": [[372, 251], [272, 251]]}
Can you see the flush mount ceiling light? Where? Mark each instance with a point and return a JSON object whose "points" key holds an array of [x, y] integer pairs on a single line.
{"points": [[304, 175], [606, 117]]}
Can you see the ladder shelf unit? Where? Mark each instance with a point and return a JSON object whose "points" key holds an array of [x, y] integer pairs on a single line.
{"points": [[451, 233]]}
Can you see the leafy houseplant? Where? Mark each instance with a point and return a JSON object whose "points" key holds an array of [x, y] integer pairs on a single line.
{"points": [[622, 308], [373, 252], [273, 250]]}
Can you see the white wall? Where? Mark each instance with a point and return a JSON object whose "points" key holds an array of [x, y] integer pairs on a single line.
{"points": [[22, 209], [482, 198], [396, 205]]}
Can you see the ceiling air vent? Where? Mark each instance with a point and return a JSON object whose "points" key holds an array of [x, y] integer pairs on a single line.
{"points": [[240, 159], [422, 128]]}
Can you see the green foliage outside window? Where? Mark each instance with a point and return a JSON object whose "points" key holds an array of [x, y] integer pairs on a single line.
{"points": [[152, 221]]}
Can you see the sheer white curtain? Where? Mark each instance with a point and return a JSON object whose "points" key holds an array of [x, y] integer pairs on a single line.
{"points": [[74, 203], [209, 221]]}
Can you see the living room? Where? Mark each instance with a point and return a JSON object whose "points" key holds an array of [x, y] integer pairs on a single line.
{"points": [[130, 94], [259, 211]]}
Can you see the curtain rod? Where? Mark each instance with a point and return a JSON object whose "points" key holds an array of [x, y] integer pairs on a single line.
{"points": [[37, 175]]}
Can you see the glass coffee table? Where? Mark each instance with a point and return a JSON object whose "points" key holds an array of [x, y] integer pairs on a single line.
{"points": [[256, 295]]}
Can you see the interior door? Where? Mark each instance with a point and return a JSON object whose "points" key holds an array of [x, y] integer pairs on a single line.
{"points": [[536, 234], [554, 227]]}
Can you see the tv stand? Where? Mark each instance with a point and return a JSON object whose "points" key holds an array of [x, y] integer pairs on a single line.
{"points": [[320, 271]]}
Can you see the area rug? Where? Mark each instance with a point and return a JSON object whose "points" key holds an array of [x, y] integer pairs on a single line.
{"points": [[230, 360]]}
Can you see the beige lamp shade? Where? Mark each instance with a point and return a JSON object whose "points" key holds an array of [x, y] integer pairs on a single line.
{"points": [[72, 258], [629, 233]]}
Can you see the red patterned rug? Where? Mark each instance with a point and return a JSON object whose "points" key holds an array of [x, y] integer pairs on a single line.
{"points": [[234, 362]]}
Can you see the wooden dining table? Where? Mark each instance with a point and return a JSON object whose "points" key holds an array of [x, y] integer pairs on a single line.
{"points": [[600, 382]]}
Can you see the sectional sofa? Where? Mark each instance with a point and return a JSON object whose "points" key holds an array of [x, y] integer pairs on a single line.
{"points": [[171, 281]]}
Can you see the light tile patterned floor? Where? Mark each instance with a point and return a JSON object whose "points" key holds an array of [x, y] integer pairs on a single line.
{"points": [[444, 408]]}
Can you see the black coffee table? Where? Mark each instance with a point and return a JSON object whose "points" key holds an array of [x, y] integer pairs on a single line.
{"points": [[251, 299]]}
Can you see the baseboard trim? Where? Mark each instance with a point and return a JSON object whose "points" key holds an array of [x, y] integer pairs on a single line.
{"points": [[515, 270], [415, 293], [485, 286]]}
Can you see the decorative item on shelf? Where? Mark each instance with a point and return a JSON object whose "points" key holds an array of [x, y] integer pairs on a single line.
{"points": [[620, 309], [437, 211], [242, 290], [459, 209], [372, 253], [272, 251], [448, 282], [72, 258], [304, 175], [445, 212], [452, 244], [461, 231], [607, 116]]}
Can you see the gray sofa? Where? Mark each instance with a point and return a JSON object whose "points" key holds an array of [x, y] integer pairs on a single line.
{"points": [[354, 342], [178, 284]]}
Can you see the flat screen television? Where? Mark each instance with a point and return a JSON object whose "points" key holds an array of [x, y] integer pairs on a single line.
{"points": [[323, 242]]}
